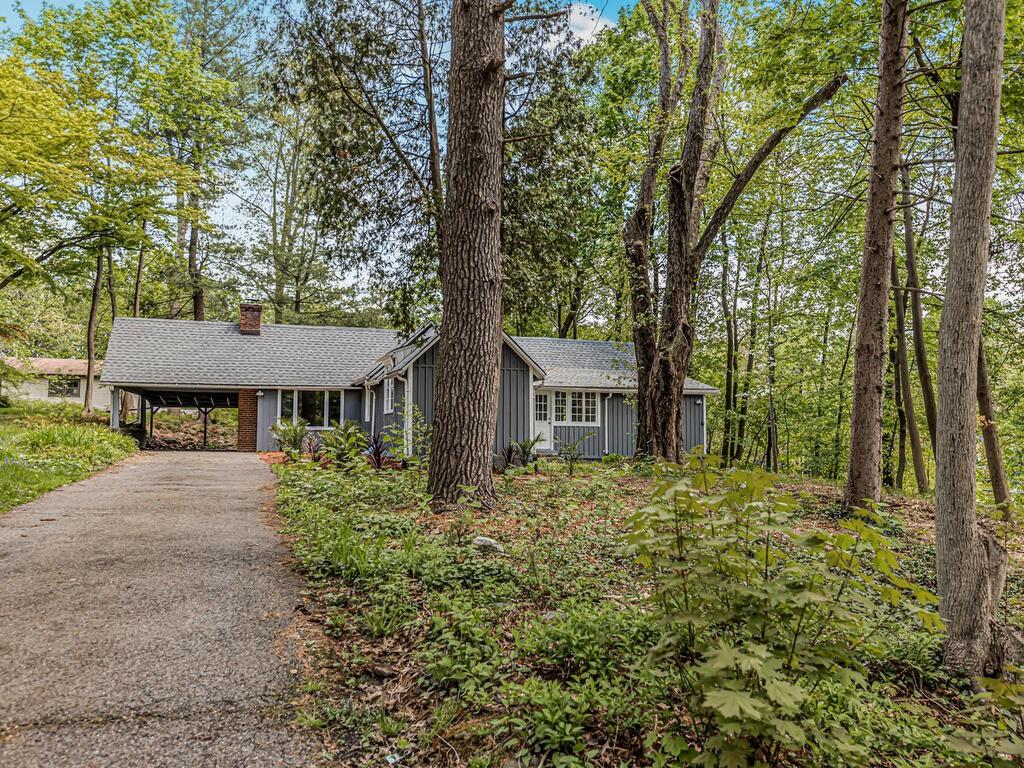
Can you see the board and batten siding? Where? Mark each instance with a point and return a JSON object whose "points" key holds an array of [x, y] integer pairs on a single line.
{"points": [[424, 373], [592, 446], [515, 400], [693, 421], [266, 417], [619, 423]]}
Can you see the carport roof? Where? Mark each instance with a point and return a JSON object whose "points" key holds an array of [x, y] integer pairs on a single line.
{"points": [[153, 353]]}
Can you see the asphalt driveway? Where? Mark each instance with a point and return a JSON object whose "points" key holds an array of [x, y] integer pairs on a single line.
{"points": [[144, 620]]}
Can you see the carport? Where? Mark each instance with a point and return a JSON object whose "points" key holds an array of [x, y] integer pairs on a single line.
{"points": [[150, 401]]}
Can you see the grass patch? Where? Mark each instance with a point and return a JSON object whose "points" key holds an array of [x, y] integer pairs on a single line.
{"points": [[44, 446], [723, 624]]}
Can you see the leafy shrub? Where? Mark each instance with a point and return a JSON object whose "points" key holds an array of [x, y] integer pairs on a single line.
{"points": [[377, 452], [572, 451], [759, 616], [290, 436], [527, 449], [509, 457], [344, 443]]}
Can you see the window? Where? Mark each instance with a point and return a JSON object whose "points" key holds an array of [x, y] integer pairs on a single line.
{"points": [[288, 406], [389, 395], [63, 386], [319, 408], [576, 408], [540, 406], [334, 407]]}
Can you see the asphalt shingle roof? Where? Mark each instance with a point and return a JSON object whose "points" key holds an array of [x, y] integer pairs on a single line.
{"points": [[210, 354], [583, 363], [186, 353]]}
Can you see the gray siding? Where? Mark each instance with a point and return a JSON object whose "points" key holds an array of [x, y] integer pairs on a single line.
{"points": [[423, 377], [384, 420], [620, 425], [514, 400], [266, 417], [592, 446], [693, 421], [353, 405]]}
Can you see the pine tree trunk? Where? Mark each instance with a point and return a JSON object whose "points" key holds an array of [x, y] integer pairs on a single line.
{"points": [[90, 329], [970, 563], [863, 482], [466, 405], [990, 437], [903, 364]]}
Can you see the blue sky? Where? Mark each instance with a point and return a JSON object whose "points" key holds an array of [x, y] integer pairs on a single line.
{"points": [[585, 18]]}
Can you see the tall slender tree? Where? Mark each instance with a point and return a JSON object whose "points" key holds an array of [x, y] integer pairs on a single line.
{"points": [[864, 479], [970, 563]]}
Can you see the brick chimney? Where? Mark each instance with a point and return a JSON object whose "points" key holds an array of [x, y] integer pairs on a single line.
{"points": [[249, 319]]}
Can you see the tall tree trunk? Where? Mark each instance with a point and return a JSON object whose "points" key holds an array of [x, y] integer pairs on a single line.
{"points": [[139, 270], [686, 251], [636, 233], [748, 373], [730, 359], [90, 329], [466, 407], [836, 439], [903, 366], [436, 182], [990, 436], [863, 481], [111, 288], [675, 343], [924, 373], [970, 563], [194, 270]]}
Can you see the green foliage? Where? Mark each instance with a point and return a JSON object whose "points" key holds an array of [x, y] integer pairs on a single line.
{"points": [[461, 649], [43, 447], [344, 443], [759, 615], [526, 449], [290, 437], [572, 451]]}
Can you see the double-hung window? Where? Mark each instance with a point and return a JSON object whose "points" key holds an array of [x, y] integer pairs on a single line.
{"points": [[389, 395], [576, 408]]}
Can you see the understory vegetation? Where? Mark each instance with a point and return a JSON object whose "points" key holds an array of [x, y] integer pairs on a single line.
{"points": [[628, 615], [44, 446]]}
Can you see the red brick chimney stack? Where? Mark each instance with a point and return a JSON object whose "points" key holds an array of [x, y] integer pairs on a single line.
{"points": [[249, 319]]}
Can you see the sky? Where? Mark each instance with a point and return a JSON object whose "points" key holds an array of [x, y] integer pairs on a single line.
{"points": [[585, 20]]}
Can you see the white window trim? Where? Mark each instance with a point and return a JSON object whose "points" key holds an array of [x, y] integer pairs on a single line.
{"points": [[327, 406], [367, 406], [568, 421], [389, 396]]}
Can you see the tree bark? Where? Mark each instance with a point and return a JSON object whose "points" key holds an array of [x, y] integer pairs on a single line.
{"points": [[730, 359], [863, 481], [194, 270], [970, 563], [903, 367], [924, 373], [465, 410], [90, 329], [990, 437], [139, 269], [686, 251], [636, 233]]}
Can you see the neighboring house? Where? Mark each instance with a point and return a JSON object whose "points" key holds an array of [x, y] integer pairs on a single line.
{"points": [[58, 380], [561, 389]]}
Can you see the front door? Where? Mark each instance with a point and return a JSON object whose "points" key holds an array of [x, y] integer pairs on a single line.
{"points": [[542, 419]]}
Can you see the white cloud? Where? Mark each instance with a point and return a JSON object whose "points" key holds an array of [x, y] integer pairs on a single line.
{"points": [[586, 22]]}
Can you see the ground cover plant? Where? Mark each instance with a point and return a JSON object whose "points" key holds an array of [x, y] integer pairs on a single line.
{"points": [[624, 615], [45, 446]]}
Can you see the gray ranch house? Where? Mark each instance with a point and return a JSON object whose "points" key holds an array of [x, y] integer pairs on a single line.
{"points": [[560, 389]]}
